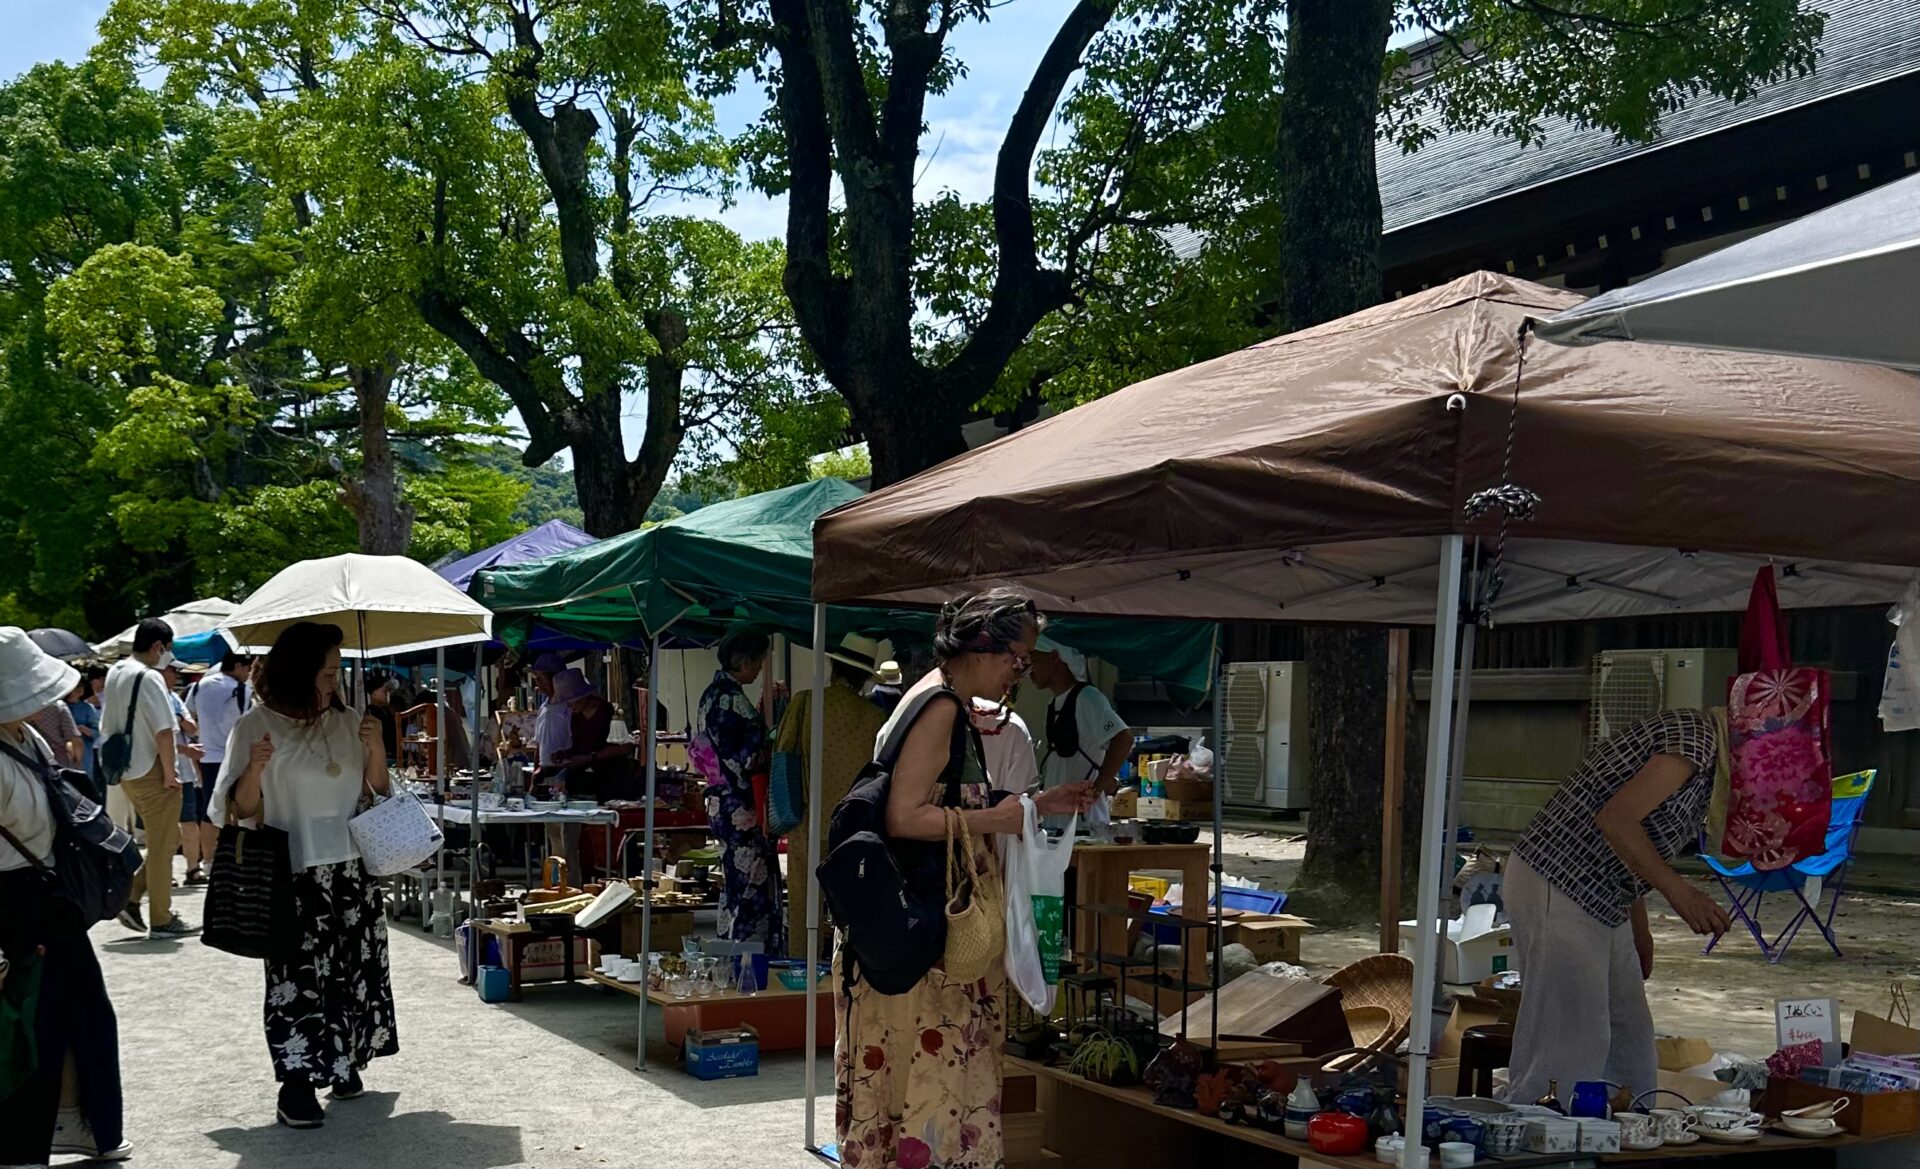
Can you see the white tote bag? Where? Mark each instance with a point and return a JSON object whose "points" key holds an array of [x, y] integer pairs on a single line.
{"points": [[394, 835], [1035, 871]]}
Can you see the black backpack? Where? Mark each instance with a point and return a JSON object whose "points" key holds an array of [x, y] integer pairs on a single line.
{"points": [[888, 896], [116, 752], [94, 859]]}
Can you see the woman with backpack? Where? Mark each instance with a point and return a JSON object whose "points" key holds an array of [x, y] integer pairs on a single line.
{"points": [[50, 983], [300, 760], [917, 1074]]}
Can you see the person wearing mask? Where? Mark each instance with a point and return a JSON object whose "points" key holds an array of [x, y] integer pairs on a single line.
{"points": [[152, 781], [60, 730], [917, 1076], [849, 724], [300, 761], [186, 740], [1576, 890], [1086, 739], [380, 706], [46, 959], [215, 703], [84, 705], [729, 747]]}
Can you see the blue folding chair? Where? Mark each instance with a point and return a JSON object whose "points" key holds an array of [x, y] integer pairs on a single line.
{"points": [[1746, 887]]}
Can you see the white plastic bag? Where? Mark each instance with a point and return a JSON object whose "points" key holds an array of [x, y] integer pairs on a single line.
{"points": [[1100, 818], [1035, 871], [1900, 696]]}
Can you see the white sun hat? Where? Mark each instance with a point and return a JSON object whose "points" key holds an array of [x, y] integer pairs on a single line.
{"points": [[30, 681]]}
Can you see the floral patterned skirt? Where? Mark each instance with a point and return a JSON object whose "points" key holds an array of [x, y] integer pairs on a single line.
{"points": [[329, 1005], [917, 1075], [752, 906]]}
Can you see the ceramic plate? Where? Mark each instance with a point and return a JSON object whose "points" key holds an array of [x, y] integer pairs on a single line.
{"points": [[1647, 1146], [1689, 1139], [1738, 1136], [1832, 1129]]}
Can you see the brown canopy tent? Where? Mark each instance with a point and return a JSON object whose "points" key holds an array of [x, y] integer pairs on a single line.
{"points": [[1322, 476]]}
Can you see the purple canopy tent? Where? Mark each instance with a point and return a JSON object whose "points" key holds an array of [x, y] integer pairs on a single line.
{"points": [[545, 540]]}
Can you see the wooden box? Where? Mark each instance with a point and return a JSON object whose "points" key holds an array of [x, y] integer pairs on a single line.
{"points": [[1876, 1115], [669, 926]]}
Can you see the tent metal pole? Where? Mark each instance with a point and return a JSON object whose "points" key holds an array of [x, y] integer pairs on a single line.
{"points": [[1219, 816], [1446, 645], [473, 760], [439, 770], [649, 759], [1456, 775], [816, 751]]}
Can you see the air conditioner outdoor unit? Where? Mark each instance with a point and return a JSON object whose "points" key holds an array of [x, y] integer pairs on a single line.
{"points": [[1634, 684], [1266, 724]]}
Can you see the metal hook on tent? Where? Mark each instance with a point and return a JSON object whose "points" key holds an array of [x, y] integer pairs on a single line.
{"points": [[1512, 500]]}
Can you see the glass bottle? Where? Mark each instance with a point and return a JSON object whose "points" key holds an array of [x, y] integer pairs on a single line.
{"points": [[1552, 1098]]}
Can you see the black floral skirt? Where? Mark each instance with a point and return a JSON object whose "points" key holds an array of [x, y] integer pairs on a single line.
{"points": [[330, 1004]]}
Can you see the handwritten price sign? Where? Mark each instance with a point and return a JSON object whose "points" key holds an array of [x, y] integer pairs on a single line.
{"points": [[1805, 1020]]}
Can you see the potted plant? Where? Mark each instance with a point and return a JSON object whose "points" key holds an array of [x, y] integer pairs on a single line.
{"points": [[1105, 1059]]}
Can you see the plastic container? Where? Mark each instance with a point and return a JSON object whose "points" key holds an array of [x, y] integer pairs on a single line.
{"points": [[495, 984], [1251, 900]]}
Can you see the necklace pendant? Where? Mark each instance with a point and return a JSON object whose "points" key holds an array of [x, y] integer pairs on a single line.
{"points": [[333, 767]]}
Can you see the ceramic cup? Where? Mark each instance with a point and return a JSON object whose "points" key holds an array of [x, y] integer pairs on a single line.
{"points": [[1671, 1124], [489, 801], [515, 803], [1456, 1154], [1636, 1128], [610, 963], [1725, 1119]]}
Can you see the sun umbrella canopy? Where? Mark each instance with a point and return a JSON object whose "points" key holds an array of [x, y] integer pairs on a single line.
{"points": [[201, 616], [384, 604], [1838, 283], [59, 643]]}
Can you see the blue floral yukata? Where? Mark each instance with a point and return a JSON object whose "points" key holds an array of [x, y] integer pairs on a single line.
{"points": [[732, 746]]}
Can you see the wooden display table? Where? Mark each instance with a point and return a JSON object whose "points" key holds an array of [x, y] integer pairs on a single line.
{"points": [[778, 1014], [1094, 1126], [514, 938], [1099, 875]]}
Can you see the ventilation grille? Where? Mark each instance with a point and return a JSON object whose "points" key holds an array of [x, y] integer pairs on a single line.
{"points": [[1628, 686], [1246, 768], [1246, 700]]}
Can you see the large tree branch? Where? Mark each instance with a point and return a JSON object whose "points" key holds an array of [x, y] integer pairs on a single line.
{"points": [[915, 52], [509, 360], [817, 294], [560, 145], [837, 56]]}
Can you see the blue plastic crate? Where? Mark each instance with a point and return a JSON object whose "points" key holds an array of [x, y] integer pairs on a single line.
{"points": [[723, 1055], [1252, 900]]}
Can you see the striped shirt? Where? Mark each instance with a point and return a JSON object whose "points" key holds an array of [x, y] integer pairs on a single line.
{"points": [[1564, 843]]}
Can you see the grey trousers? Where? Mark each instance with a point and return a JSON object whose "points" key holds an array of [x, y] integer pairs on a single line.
{"points": [[1583, 1007]]}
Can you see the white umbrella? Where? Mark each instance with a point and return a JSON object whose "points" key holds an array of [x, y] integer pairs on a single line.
{"points": [[1837, 284], [384, 604], [200, 616]]}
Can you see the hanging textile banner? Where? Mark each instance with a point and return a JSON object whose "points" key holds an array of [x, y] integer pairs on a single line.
{"points": [[1779, 743]]}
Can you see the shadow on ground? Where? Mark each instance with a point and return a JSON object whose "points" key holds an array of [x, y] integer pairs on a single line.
{"points": [[368, 1134]]}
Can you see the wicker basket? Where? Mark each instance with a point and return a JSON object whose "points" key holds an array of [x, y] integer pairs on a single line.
{"points": [[1384, 980]]}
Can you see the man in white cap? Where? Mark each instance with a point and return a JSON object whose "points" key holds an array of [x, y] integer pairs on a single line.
{"points": [[73, 1023], [1085, 737]]}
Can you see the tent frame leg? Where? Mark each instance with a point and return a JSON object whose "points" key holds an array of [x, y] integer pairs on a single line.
{"points": [[816, 750]]}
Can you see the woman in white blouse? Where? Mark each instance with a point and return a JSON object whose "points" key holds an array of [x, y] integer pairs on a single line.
{"points": [[301, 761], [44, 948]]}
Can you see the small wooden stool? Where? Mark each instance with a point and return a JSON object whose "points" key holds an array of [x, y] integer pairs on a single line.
{"points": [[1482, 1049]]}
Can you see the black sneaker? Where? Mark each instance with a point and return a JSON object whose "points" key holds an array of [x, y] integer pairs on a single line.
{"points": [[132, 919], [353, 1089], [174, 927], [299, 1107]]}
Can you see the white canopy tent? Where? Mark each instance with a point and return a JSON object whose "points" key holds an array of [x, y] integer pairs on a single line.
{"points": [[1324, 476], [1838, 283], [201, 616]]}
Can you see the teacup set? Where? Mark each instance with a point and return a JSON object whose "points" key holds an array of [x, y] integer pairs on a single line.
{"points": [[1816, 1120], [622, 969]]}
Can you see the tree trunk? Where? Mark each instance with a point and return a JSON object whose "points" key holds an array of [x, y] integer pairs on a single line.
{"points": [[385, 519], [908, 432], [600, 465], [1329, 194], [1329, 266], [1346, 749]]}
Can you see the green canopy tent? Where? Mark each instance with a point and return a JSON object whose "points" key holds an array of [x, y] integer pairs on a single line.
{"points": [[750, 562]]}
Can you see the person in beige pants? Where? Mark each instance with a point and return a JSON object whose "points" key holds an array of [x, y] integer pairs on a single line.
{"points": [[135, 704]]}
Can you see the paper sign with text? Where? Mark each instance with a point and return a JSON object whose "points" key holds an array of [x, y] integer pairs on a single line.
{"points": [[1803, 1020]]}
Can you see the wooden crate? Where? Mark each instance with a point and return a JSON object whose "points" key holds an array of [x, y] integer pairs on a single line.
{"points": [[1868, 1115]]}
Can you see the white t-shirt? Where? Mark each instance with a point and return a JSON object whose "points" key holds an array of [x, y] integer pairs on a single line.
{"points": [[1099, 722], [152, 715], [23, 803], [216, 702], [302, 798], [1008, 750]]}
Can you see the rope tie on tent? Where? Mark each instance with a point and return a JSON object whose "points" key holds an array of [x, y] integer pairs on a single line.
{"points": [[1513, 501]]}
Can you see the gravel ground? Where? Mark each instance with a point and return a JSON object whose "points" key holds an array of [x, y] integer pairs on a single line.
{"points": [[551, 1081]]}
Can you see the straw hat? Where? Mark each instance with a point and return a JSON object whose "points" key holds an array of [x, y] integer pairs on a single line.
{"points": [[569, 685], [30, 681], [889, 673]]}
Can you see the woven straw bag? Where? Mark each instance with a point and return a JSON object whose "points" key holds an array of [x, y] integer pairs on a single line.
{"points": [[976, 910]]}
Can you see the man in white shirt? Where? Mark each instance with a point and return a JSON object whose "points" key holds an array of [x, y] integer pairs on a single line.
{"points": [[1086, 738], [1007, 746], [152, 778], [215, 702]]}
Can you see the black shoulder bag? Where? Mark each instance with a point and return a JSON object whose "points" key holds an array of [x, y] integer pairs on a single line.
{"points": [[116, 753], [249, 906]]}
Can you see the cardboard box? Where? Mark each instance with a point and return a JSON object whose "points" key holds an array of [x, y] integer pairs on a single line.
{"points": [[1272, 938], [1468, 1011], [1877, 1036], [1188, 810], [1150, 809], [1476, 948], [723, 1054], [669, 926], [1126, 804]]}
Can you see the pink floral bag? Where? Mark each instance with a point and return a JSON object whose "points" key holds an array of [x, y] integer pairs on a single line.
{"points": [[1779, 744]]}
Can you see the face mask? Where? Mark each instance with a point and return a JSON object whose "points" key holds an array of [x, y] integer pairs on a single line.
{"points": [[166, 659]]}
